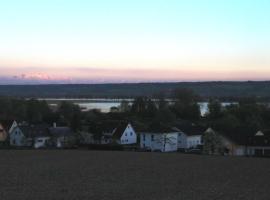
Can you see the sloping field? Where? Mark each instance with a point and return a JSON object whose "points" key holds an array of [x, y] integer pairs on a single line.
{"points": [[75, 174]]}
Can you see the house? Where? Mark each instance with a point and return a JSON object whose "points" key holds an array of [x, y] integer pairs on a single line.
{"points": [[62, 137], [163, 139], [41, 136], [259, 144], [109, 132], [190, 136], [21, 136], [124, 134]]}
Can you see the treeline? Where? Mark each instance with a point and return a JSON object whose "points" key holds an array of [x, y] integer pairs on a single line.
{"points": [[37, 112], [245, 117], [229, 91]]}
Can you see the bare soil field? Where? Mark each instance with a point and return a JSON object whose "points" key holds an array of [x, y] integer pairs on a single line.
{"points": [[78, 174]]}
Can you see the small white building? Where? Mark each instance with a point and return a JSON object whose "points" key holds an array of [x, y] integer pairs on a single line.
{"points": [[163, 140], [21, 136], [30, 136], [125, 134], [190, 137], [115, 132]]}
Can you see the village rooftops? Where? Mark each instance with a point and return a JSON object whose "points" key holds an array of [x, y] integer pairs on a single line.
{"points": [[118, 132], [191, 129], [60, 131], [159, 128], [31, 131]]}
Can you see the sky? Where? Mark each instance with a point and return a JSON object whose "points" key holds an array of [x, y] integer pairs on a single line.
{"points": [[103, 41]]}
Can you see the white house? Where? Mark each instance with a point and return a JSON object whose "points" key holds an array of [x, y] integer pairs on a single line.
{"points": [[21, 136], [124, 134], [163, 140], [30, 136], [114, 132], [190, 136]]}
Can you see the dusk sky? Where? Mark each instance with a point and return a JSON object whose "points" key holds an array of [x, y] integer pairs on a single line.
{"points": [[97, 41]]}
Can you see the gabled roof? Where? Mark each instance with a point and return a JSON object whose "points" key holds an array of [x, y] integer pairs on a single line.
{"points": [[31, 131], [158, 128], [263, 133], [259, 141], [41, 130], [191, 129], [239, 136], [117, 134], [60, 131]]}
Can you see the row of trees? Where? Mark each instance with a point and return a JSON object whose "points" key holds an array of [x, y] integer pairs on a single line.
{"points": [[243, 117], [36, 112]]}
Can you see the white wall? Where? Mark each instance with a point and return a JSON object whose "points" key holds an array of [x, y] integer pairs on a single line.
{"points": [[17, 138], [40, 142], [186, 142], [129, 136], [193, 141], [164, 142], [182, 140]]}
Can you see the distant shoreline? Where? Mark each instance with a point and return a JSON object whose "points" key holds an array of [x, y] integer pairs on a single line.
{"points": [[224, 90]]}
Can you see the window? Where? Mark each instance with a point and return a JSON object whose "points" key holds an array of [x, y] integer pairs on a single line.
{"points": [[152, 137], [131, 133], [143, 137], [125, 134]]}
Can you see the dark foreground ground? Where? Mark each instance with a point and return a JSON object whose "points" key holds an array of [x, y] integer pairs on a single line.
{"points": [[89, 175]]}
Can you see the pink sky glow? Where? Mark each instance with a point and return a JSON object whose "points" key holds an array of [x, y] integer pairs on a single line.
{"points": [[104, 75]]}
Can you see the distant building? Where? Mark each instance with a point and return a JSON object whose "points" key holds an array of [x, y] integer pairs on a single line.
{"points": [[41, 137], [111, 131], [24, 135], [161, 139], [62, 137], [124, 134], [234, 144], [259, 144], [21, 136], [190, 136]]}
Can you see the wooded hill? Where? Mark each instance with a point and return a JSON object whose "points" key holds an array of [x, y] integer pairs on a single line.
{"points": [[226, 90]]}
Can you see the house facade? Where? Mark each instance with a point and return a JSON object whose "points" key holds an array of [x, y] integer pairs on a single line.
{"points": [[190, 136], [113, 132], [165, 141], [124, 134], [21, 136]]}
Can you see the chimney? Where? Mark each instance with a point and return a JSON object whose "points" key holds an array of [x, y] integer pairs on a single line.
{"points": [[54, 125]]}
